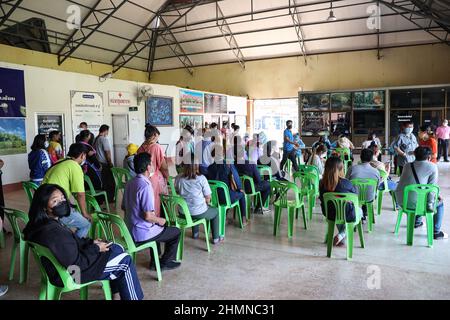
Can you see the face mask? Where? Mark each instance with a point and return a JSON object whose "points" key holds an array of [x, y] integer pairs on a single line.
{"points": [[408, 130], [61, 210], [46, 144], [445, 124]]}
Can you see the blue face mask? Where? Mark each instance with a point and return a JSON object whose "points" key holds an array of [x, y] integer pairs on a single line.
{"points": [[408, 130]]}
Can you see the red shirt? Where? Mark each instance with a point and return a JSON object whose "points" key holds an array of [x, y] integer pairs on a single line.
{"points": [[432, 144]]}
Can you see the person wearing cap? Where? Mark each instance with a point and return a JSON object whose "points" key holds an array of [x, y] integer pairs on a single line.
{"points": [[128, 162]]}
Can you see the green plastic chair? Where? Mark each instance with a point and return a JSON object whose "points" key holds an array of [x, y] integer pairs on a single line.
{"points": [[14, 216], [345, 155], [92, 207], [423, 192], [29, 188], [363, 186], [282, 188], [107, 221], [96, 193], [49, 291], [121, 177], [223, 208], [251, 196], [178, 215], [305, 168], [309, 183], [2, 239], [171, 185], [340, 201], [266, 171], [384, 176]]}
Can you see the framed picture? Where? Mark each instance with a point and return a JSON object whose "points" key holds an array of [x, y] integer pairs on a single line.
{"points": [[12, 136], [191, 101], [47, 122], [215, 103], [159, 111], [315, 101], [369, 100], [315, 123], [195, 121], [341, 101]]}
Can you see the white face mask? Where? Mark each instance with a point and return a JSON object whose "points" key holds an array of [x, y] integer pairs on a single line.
{"points": [[46, 144]]}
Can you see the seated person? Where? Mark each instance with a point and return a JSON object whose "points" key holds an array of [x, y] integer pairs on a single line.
{"points": [[194, 188], [227, 173], [422, 171], [271, 157], [96, 259], [317, 158], [333, 181], [345, 143], [380, 166], [325, 141], [128, 162], [139, 206], [365, 171], [245, 167]]}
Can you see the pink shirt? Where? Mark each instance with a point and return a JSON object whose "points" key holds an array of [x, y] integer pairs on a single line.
{"points": [[443, 133]]}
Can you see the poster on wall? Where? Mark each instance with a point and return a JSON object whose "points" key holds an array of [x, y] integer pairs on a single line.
{"points": [[215, 103], [12, 93], [315, 101], [369, 100], [46, 123], [315, 123], [191, 101], [194, 121], [12, 136], [87, 107], [120, 98], [341, 101], [160, 111]]}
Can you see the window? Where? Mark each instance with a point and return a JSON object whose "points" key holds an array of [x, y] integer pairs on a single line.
{"points": [[368, 100], [405, 99], [397, 117], [340, 123], [433, 98], [369, 121], [341, 101]]}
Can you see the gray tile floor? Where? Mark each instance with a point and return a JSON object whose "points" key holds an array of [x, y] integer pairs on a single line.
{"points": [[253, 264]]}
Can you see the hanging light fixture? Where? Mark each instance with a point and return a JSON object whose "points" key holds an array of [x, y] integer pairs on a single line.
{"points": [[331, 17]]}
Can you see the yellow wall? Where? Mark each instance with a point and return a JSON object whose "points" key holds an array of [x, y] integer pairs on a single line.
{"points": [[418, 65], [276, 78]]}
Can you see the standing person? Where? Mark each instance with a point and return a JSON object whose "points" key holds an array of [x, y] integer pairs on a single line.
{"points": [[103, 149], [404, 145], [128, 162], [443, 135], [422, 171], [289, 146], [301, 145], [68, 175], [54, 148], [184, 147], [159, 164], [333, 181], [194, 188], [92, 167], [427, 139], [38, 159], [140, 213], [83, 126], [95, 259]]}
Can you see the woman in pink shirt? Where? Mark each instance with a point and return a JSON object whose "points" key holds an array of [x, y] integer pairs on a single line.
{"points": [[443, 135]]}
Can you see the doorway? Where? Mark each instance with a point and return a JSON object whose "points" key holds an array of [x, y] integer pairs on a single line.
{"points": [[121, 137]]}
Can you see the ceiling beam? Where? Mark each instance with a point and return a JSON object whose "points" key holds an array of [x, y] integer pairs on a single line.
{"points": [[394, 5], [5, 14], [229, 36], [295, 15], [100, 12]]}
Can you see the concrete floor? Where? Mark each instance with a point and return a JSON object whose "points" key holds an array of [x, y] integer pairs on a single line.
{"points": [[253, 264]]}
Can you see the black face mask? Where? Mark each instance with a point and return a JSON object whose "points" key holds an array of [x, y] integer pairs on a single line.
{"points": [[61, 210]]}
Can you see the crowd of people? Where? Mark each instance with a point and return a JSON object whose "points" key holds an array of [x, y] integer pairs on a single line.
{"points": [[59, 218]]}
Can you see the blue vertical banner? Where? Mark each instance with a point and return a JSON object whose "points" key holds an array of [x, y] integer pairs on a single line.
{"points": [[12, 93]]}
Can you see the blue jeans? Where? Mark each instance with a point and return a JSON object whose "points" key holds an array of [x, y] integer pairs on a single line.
{"points": [[392, 185], [121, 272], [76, 221], [239, 196], [437, 217]]}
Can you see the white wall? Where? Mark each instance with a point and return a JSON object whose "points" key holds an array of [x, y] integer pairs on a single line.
{"points": [[48, 91]]}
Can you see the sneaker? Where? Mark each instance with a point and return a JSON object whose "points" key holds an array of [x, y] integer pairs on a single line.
{"points": [[216, 241], [171, 265], [440, 235], [3, 290], [418, 225], [196, 235], [338, 239], [258, 211], [266, 210]]}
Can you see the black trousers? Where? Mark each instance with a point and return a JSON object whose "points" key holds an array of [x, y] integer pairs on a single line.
{"points": [[108, 182], [443, 149], [170, 237], [291, 155]]}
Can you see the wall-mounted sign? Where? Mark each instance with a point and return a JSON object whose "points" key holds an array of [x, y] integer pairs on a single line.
{"points": [[86, 107], [46, 123], [120, 98], [12, 93]]}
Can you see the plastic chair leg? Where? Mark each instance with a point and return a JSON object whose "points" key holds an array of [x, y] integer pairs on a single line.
{"points": [[24, 250], [380, 202], [107, 204], [277, 218], [394, 201], [291, 212], [399, 220], [248, 202], [305, 218], [84, 293], [237, 210], [205, 225], [107, 290], [369, 207], [223, 220], [180, 246], [330, 234], [430, 229], [2, 239], [349, 228], [410, 229], [361, 234], [13, 261], [43, 289], [311, 204], [154, 249]]}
